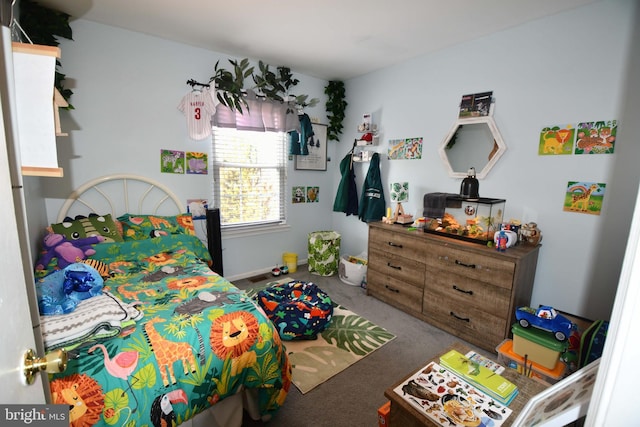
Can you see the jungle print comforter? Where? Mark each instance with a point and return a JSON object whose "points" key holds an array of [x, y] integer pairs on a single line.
{"points": [[199, 340]]}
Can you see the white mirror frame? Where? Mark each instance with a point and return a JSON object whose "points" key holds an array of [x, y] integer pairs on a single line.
{"points": [[488, 120]]}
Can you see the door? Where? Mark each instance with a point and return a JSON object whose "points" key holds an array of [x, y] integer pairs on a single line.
{"points": [[18, 333], [17, 330]]}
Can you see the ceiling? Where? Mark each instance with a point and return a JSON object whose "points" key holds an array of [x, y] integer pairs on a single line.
{"points": [[327, 39]]}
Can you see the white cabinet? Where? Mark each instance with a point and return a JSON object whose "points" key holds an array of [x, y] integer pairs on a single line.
{"points": [[37, 103]]}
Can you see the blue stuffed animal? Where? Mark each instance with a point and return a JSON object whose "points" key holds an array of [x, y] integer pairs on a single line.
{"points": [[61, 291]]}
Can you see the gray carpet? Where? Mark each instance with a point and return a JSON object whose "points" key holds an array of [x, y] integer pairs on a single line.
{"points": [[352, 397]]}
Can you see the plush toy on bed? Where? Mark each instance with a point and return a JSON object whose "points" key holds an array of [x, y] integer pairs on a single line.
{"points": [[67, 251], [61, 291]]}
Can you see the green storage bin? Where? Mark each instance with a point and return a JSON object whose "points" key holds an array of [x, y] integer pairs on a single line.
{"points": [[324, 252], [539, 346]]}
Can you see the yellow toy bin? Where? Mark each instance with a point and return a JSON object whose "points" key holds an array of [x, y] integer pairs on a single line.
{"points": [[539, 346], [291, 261], [509, 359]]}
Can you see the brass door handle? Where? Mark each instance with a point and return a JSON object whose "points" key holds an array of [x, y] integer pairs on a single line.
{"points": [[54, 362]]}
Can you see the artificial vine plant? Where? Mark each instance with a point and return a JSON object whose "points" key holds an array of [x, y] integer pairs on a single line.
{"points": [[335, 106], [43, 26], [230, 84]]}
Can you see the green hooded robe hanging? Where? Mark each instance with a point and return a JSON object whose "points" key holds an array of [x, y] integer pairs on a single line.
{"points": [[372, 204], [347, 195]]}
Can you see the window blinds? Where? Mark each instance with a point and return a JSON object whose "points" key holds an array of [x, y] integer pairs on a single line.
{"points": [[249, 173]]}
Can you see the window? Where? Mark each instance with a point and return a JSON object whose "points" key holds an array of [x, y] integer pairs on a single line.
{"points": [[249, 177]]}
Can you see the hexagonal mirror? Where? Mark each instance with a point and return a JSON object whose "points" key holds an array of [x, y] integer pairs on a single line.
{"points": [[473, 142]]}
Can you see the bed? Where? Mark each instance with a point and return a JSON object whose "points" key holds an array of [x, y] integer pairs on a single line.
{"points": [[166, 341]]}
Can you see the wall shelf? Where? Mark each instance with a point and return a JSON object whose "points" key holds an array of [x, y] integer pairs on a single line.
{"points": [[37, 104], [47, 172]]}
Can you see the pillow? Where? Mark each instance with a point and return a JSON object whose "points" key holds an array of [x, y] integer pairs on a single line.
{"points": [[140, 227], [94, 225]]}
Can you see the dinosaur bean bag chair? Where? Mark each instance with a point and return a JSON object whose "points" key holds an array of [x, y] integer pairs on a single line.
{"points": [[299, 310]]}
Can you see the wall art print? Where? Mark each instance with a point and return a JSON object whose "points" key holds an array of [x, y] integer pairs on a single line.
{"points": [[197, 163], [409, 148], [596, 137], [555, 140], [171, 161], [399, 192], [584, 197], [197, 208], [316, 160], [297, 194], [313, 194]]}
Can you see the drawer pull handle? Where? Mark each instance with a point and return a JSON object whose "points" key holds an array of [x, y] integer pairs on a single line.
{"points": [[462, 290], [465, 265], [466, 319], [396, 267], [395, 245], [392, 289]]}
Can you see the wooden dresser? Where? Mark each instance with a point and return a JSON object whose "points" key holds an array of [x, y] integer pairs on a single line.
{"points": [[464, 288]]}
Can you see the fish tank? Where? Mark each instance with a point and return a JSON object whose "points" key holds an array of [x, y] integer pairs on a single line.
{"points": [[473, 220]]}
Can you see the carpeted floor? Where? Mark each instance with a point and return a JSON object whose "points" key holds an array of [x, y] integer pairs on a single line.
{"points": [[352, 397]]}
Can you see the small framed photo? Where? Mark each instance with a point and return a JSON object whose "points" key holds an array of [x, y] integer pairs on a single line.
{"points": [[316, 160]]}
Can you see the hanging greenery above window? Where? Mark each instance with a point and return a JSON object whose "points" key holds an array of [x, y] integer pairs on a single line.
{"points": [[273, 85]]}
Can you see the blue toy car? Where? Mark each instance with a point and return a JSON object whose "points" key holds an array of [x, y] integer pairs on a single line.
{"points": [[545, 318]]}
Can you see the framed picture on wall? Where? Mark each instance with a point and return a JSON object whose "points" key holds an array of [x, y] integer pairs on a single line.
{"points": [[316, 160]]}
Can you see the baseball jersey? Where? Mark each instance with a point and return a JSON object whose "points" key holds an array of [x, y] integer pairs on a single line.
{"points": [[198, 108]]}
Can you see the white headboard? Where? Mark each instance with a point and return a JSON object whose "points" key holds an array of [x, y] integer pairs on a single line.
{"points": [[119, 194]]}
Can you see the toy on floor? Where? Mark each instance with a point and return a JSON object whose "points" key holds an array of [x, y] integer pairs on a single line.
{"points": [[276, 271]]}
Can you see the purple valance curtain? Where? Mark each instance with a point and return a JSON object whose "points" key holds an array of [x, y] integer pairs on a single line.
{"points": [[262, 115]]}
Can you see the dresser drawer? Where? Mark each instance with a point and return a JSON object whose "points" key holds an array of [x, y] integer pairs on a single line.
{"points": [[397, 243], [394, 291], [464, 292], [397, 266], [464, 321], [490, 269]]}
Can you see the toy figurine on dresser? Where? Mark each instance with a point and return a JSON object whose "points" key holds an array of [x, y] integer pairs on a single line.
{"points": [[501, 241], [530, 234]]}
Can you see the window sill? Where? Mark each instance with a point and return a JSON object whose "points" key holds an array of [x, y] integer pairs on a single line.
{"points": [[232, 233]]}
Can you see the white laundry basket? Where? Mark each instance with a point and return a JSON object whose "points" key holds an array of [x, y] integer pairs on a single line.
{"points": [[352, 270]]}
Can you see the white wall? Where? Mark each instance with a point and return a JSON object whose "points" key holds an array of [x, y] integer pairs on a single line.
{"points": [[126, 90], [558, 70]]}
